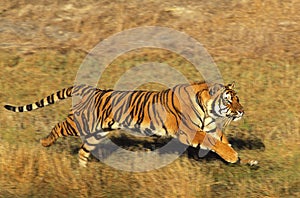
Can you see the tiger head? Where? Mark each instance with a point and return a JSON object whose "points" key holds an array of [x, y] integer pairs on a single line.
{"points": [[224, 102]]}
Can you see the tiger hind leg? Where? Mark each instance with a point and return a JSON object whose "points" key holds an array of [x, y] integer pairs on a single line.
{"points": [[62, 129], [91, 142], [53, 136], [83, 155]]}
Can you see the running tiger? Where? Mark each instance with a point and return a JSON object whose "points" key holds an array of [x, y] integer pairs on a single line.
{"points": [[194, 113]]}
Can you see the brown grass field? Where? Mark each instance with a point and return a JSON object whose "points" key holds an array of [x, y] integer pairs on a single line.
{"points": [[254, 43]]}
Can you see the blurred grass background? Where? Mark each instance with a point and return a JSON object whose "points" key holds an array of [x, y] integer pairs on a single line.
{"points": [[255, 43]]}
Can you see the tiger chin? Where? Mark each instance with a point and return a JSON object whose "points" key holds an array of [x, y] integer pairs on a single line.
{"points": [[196, 114]]}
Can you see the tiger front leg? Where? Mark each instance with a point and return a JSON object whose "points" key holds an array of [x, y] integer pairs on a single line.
{"points": [[224, 150], [222, 136], [201, 138], [223, 139]]}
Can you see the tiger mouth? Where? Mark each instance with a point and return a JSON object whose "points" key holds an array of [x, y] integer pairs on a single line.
{"points": [[235, 116]]}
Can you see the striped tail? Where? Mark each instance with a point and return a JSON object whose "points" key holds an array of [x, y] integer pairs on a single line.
{"points": [[51, 99]]}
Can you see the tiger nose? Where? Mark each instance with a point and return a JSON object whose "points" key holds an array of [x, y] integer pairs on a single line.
{"points": [[240, 112]]}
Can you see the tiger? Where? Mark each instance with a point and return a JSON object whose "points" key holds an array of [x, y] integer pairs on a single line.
{"points": [[195, 113]]}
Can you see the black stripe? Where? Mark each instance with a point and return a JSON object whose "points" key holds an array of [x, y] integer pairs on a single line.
{"points": [[50, 99], [219, 104], [130, 95], [107, 100], [135, 95], [141, 114], [21, 109], [152, 127], [10, 108], [61, 131], [118, 113], [148, 132], [85, 124], [85, 149], [177, 113], [135, 103], [118, 97], [212, 130], [67, 130], [60, 94], [155, 105], [83, 91], [200, 101], [40, 104], [29, 107], [111, 123], [79, 129], [166, 130], [213, 106], [69, 92]]}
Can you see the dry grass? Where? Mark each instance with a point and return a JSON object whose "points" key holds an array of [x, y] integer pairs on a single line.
{"points": [[254, 43]]}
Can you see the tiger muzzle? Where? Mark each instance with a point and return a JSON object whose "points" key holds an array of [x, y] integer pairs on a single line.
{"points": [[238, 115]]}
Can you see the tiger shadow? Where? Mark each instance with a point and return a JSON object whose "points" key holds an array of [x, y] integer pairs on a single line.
{"points": [[134, 143]]}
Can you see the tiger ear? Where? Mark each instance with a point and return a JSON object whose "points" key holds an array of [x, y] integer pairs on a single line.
{"points": [[231, 86]]}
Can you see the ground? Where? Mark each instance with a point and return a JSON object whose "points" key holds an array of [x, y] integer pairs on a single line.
{"points": [[254, 43]]}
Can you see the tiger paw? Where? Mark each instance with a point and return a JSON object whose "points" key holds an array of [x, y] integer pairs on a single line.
{"points": [[226, 152], [45, 143], [249, 162]]}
